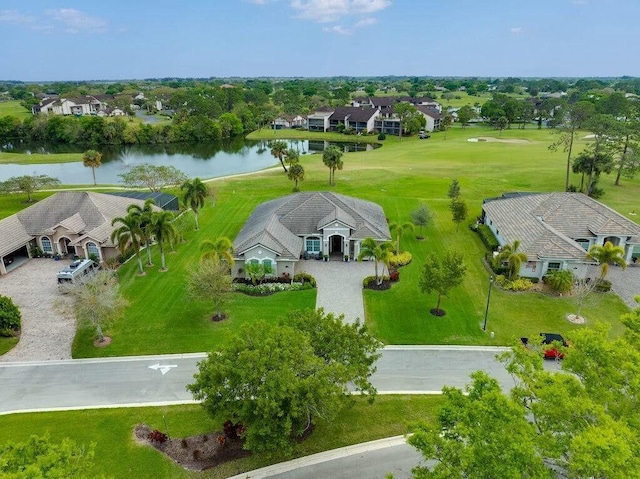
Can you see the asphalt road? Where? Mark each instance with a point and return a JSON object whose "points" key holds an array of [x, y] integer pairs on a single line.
{"points": [[155, 380]]}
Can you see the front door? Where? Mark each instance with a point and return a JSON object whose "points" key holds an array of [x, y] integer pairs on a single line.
{"points": [[336, 244]]}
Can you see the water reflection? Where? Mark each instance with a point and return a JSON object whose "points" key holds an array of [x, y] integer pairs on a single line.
{"points": [[205, 160]]}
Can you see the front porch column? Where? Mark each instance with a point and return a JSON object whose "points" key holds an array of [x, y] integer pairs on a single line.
{"points": [[325, 246], [629, 256]]}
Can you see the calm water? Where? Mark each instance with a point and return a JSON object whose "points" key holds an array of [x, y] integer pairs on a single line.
{"points": [[206, 160]]}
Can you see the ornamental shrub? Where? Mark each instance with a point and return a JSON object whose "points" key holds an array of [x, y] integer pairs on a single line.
{"points": [[520, 284], [560, 281], [303, 277], [10, 317], [382, 136], [488, 237], [401, 259], [603, 285]]}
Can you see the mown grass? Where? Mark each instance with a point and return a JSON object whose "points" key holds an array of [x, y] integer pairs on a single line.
{"points": [[120, 457], [6, 344], [38, 158], [399, 176], [14, 108]]}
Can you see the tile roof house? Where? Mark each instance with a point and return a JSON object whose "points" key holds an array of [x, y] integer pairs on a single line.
{"points": [[308, 224], [68, 222], [556, 230]]}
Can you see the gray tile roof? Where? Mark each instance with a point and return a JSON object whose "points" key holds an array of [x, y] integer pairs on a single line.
{"points": [[83, 213], [280, 223], [548, 223]]}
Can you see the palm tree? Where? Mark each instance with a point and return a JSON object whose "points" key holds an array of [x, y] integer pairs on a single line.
{"points": [[128, 235], [163, 230], [606, 255], [398, 230], [92, 159], [144, 214], [332, 158], [279, 150], [380, 252], [513, 257], [220, 249], [195, 192]]}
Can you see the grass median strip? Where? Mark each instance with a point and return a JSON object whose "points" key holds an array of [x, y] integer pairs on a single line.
{"points": [[118, 456]]}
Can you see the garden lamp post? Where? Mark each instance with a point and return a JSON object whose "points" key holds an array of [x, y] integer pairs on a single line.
{"points": [[486, 311]]}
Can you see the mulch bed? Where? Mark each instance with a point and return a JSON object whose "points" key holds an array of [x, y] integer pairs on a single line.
{"points": [[379, 287], [195, 453]]}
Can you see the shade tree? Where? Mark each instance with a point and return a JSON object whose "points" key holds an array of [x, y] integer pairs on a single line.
{"points": [[154, 177], [421, 217], [210, 281], [28, 184], [280, 378]]}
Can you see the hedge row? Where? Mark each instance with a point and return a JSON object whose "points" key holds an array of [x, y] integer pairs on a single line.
{"points": [[488, 237]]}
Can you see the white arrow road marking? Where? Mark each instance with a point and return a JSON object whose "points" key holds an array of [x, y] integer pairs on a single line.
{"points": [[164, 368]]}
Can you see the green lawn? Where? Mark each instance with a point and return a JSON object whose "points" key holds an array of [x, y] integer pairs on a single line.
{"points": [[119, 457], [13, 108], [7, 344], [37, 158], [398, 176]]}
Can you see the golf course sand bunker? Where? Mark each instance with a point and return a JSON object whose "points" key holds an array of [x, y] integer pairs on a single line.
{"points": [[498, 140]]}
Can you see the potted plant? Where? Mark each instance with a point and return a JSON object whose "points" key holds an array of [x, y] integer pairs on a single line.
{"points": [[326, 257], [346, 258]]}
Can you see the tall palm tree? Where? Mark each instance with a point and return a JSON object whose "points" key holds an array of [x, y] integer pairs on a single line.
{"points": [[513, 257], [380, 252], [398, 229], [279, 150], [606, 255], [92, 159], [163, 230], [195, 192], [220, 249], [128, 235], [144, 214]]}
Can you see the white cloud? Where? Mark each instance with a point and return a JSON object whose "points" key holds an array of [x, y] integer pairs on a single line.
{"points": [[66, 20], [14, 17], [324, 11], [75, 21], [339, 29], [366, 22], [516, 30]]}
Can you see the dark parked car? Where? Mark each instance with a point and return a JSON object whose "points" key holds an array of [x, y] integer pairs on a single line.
{"points": [[549, 339], [424, 136]]}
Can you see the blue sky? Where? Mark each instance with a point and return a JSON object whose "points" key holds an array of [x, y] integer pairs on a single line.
{"points": [[117, 39]]}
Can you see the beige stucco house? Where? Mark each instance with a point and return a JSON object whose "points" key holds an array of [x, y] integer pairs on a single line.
{"points": [[66, 223], [556, 230]]}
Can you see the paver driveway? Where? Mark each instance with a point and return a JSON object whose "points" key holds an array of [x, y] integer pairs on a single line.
{"points": [[47, 333], [624, 282], [339, 285]]}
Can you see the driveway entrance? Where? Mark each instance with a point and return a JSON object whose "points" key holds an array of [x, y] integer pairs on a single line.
{"points": [[339, 285], [46, 332]]}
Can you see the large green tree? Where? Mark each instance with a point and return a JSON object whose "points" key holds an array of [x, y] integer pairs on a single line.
{"points": [[573, 116], [10, 317], [405, 112], [466, 114], [153, 177], [92, 159], [28, 184], [441, 275], [280, 378], [332, 158], [195, 193], [459, 211]]}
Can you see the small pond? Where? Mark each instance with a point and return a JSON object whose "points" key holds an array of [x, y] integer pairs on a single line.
{"points": [[204, 160]]}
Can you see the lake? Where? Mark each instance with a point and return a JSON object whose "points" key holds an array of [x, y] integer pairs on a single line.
{"points": [[204, 160]]}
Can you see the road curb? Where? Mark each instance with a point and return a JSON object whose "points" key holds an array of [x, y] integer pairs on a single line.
{"points": [[321, 457]]}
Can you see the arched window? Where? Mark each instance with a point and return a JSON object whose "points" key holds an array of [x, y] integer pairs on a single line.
{"points": [[92, 250], [268, 266], [46, 245]]}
